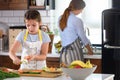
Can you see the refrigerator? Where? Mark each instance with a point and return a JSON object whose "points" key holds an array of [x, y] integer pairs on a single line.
{"points": [[111, 42]]}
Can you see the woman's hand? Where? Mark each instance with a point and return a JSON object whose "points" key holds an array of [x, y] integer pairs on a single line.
{"points": [[90, 51]]}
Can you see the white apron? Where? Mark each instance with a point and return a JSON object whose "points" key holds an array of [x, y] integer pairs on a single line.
{"points": [[32, 48]]}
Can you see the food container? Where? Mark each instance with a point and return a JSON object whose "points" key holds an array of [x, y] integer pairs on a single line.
{"points": [[79, 73]]}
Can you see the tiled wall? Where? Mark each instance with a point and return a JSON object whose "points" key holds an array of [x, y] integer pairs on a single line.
{"points": [[16, 17]]}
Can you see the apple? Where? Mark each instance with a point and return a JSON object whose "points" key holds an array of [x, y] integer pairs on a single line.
{"points": [[77, 66]]}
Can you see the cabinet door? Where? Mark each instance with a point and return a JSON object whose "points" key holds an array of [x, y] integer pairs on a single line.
{"points": [[53, 62], [4, 5], [18, 4], [5, 61]]}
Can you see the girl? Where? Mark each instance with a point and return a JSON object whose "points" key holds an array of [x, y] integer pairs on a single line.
{"points": [[34, 43]]}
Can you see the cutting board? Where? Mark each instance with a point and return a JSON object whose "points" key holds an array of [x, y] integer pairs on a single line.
{"points": [[43, 74]]}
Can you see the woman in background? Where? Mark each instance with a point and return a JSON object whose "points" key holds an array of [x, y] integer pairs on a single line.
{"points": [[34, 43], [72, 33]]}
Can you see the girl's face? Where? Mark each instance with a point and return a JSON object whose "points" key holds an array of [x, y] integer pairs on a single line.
{"points": [[32, 26]]}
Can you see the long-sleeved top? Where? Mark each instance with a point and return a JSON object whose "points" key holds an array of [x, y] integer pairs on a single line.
{"points": [[73, 30]]}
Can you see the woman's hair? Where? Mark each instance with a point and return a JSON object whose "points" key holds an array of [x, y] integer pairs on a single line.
{"points": [[32, 14], [74, 5]]}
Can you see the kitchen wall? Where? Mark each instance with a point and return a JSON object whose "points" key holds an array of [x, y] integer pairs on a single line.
{"points": [[16, 17]]}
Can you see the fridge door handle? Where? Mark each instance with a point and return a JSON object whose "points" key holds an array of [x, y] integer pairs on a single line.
{"points": [[112, 47]]}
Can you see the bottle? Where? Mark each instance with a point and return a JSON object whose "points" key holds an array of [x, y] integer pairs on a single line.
{"points": [[33, 2]]}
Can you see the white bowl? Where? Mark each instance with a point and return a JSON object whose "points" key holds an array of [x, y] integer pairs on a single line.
{"points": [[79, 73]]}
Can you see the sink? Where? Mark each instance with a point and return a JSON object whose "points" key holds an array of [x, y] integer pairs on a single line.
{"points": [[97, 49]]}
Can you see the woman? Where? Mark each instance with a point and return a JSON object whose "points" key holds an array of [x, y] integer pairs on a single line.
{"points": [[72, 33], [34, 43]]}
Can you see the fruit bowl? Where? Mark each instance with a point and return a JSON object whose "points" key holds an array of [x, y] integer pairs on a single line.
{"points": [[79, 73]]}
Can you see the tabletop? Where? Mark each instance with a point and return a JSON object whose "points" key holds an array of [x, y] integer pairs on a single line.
{"points": [[65, 77]]}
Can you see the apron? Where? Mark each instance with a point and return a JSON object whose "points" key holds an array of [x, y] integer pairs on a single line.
{"points": [[72, 52], [32, 48]]}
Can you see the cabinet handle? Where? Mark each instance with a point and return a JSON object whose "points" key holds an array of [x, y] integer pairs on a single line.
{"points": [[112, 47]]}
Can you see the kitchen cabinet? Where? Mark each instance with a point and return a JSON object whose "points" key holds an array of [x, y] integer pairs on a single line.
{"points": [[25, 4], [4, 4], [53, 62], [5, 61], [13, 4], [18, 4]]}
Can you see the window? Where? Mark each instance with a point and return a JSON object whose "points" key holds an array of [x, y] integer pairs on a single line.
{"points": [[91, 16]]}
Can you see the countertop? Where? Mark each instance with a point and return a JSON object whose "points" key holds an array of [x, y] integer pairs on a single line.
{"points": [[57, 55], [64, 77]]}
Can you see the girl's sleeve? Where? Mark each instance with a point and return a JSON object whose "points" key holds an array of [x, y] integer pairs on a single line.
{"points": [[19, 37], [45, 37]]}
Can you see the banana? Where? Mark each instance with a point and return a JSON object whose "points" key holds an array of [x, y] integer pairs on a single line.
{"points": [[78, 62], [88, 64]]}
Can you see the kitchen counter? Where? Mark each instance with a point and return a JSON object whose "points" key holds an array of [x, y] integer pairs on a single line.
{"points": [[64, 77], [57, 55]]}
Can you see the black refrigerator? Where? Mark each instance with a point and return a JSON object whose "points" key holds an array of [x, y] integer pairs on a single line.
{"points": [[111, 42]]}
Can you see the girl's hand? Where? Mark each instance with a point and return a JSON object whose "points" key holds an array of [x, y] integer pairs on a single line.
{"points": [[33, 57], [16, 61], [27, 57], [30, 57]]}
